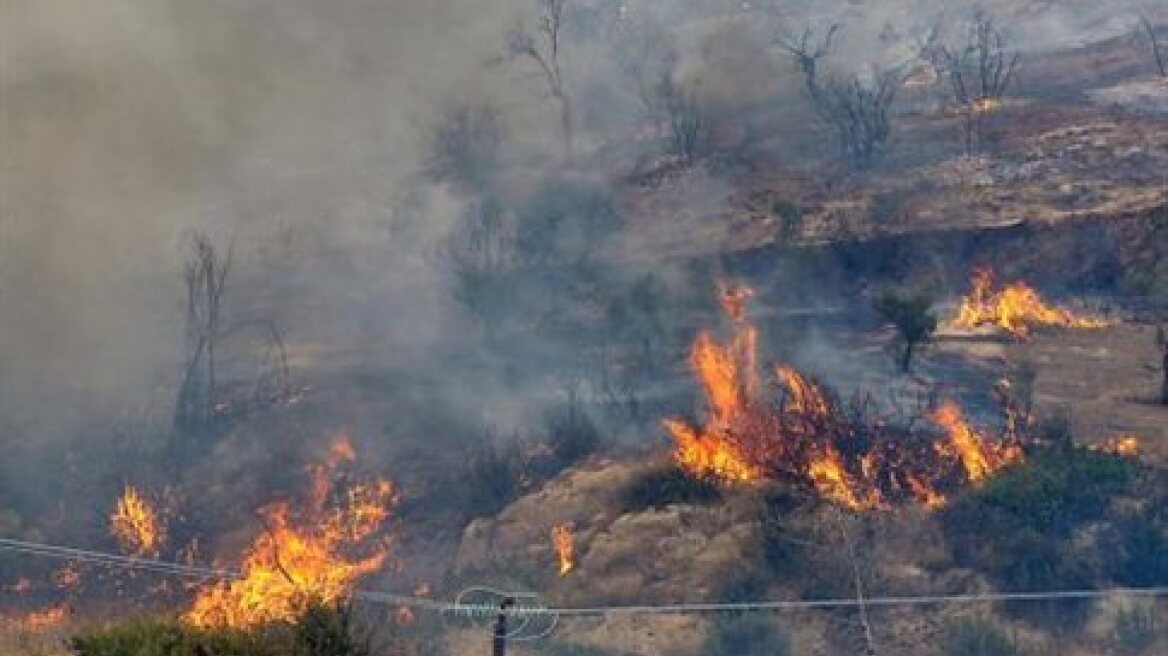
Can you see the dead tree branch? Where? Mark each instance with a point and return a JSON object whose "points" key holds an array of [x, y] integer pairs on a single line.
{"points": [[543, 48], [980, 70], [1157, 49], [807, 58]]}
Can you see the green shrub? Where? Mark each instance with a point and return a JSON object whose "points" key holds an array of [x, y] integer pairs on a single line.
{"points": [[153, 637], [1016, 528], [1053, 492], [662, 486], [1136, 545], [746, 635], [972, 637], [1135, 629], [321, 631], [330, 631]]}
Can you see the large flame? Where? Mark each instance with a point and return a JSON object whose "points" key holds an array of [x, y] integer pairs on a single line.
{"points": [[1015, 308], [806, 436], [564, 542], [316, 555], [136, 525]]}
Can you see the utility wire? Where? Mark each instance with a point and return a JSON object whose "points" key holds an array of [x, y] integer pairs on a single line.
{"points": [[490, 609]]}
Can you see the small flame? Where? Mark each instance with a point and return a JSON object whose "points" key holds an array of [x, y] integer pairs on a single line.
{"points": [[67, 576], [986, 105], [37, 621], [135, 524], [564, 542], [1014, 308], [978, 456], [296, 562], [1125, 446]]}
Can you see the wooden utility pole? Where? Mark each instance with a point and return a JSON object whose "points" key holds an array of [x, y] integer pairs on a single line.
{"points": [[499, 643]]}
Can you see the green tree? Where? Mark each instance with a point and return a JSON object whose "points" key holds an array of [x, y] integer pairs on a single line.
{"points": [[911, 313]]}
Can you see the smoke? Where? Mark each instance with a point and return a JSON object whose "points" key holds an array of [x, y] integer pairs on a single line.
{"points": [[294, 130]]}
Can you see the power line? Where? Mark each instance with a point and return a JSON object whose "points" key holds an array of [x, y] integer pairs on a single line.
{"points": [[462, 608]]}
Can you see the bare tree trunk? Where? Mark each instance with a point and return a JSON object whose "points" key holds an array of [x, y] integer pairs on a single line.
{"points": [[1164, 384], [1157, 52]]}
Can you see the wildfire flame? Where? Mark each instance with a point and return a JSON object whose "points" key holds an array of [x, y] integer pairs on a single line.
{"points": [[1126, 446], [316, 555], [806, 436], [979, 457], [564, 543], [1015, 308], [37, 621], [135, 524]]}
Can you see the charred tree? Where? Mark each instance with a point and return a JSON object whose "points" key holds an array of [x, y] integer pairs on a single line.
{"points": [[807, 57], [1162, 343], [205, 279], [543, 48], [463, 146], [645, 55], [857, 110], [979, 70], [686, 120], [202, 397], [1157, 49], [859, 113]]}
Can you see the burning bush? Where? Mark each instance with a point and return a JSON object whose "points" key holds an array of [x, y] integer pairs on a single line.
{"points": [[312, 556], [846, 453]]}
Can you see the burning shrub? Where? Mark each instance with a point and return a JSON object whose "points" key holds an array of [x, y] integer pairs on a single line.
{"points": [[661, 486], [977, 637], [798, 431]]}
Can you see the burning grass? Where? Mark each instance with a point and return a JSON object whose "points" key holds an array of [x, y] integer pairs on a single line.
{"points": [[1015, 308], [793, 429]]}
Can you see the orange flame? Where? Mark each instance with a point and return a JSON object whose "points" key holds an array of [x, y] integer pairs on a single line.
{"points": [[978, 456], [37, 621], [1126, 446], [1014, 308], [564, 542], [852, 461], [294, 563], [135, 524]]}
